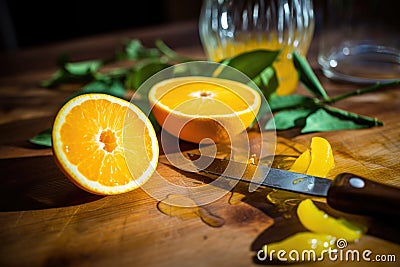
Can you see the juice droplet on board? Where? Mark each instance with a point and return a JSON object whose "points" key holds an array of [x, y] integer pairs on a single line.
{"points": [[235, 198], [298, 180], [185, 208], [285, 201], [211, 219]]}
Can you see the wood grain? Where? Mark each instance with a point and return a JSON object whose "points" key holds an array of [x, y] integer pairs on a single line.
{"points": [[46, 221]]}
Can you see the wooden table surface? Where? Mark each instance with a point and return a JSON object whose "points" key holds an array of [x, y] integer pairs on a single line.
{"points": [[46, 221]]}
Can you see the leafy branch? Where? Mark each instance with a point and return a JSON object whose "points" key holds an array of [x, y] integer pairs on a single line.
{"points": [[315, 114], [312, 114]]}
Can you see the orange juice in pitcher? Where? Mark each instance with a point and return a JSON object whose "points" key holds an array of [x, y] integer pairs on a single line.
{"points": [[230, 27]]}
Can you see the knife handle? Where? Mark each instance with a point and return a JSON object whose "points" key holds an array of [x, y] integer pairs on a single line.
{"points": [[355, 194]]}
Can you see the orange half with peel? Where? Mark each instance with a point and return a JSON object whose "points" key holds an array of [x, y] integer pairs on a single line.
{"points": [[93, 137], [198, 108]]}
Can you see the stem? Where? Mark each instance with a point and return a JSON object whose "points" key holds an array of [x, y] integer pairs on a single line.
{"points": [[364, 90], [171, 53], [354, 117]]}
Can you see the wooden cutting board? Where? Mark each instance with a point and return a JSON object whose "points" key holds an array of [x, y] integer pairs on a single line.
{"points": [[46, 221]]}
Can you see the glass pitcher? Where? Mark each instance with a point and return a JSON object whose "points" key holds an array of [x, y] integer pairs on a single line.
{"points": [[231, 27]]}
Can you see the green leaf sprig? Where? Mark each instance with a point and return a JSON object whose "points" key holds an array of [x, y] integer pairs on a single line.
{"points": [[145, 62], [315, 114], [312, 114], [43, 138]]}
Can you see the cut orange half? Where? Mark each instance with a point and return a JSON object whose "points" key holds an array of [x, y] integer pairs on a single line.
{"points": [[94, 135], [200, 108]]}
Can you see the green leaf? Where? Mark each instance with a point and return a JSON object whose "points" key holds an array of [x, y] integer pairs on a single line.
{"points": [[43, 138], [135, 50], [277, 103], [252, 63], [83, 68], [331, 119], [73, 72], [267, 81], [287, 119], [257, 65], [308, 77], [111, 87], [142, 72], [57, 78], [116, 89]]}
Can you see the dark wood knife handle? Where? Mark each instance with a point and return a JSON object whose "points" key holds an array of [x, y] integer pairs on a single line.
{"points": [[354, 194]]}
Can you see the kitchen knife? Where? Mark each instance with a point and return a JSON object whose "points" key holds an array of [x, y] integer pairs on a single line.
{"points": [[347, 192]]}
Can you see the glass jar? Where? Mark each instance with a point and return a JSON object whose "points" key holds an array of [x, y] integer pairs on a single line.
{"points": [[230, 27], [360, 41]]}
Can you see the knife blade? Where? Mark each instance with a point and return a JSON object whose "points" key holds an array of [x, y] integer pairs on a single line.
{"points": [[347, 192]]}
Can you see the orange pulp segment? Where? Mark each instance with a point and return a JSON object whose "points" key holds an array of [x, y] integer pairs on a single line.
{"points": [[317, 160], [322, 160], [196, 108], [91, 146], [316, 220], [302, 162]]}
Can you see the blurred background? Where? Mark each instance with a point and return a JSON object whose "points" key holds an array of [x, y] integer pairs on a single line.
{"points": [[25, 24]]}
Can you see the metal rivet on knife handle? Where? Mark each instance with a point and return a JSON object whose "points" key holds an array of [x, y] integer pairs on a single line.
{"points": [[355, 194]]}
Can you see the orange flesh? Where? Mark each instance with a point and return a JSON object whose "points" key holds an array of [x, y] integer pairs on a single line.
{"points": [[213, 97], [96, 147]]}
